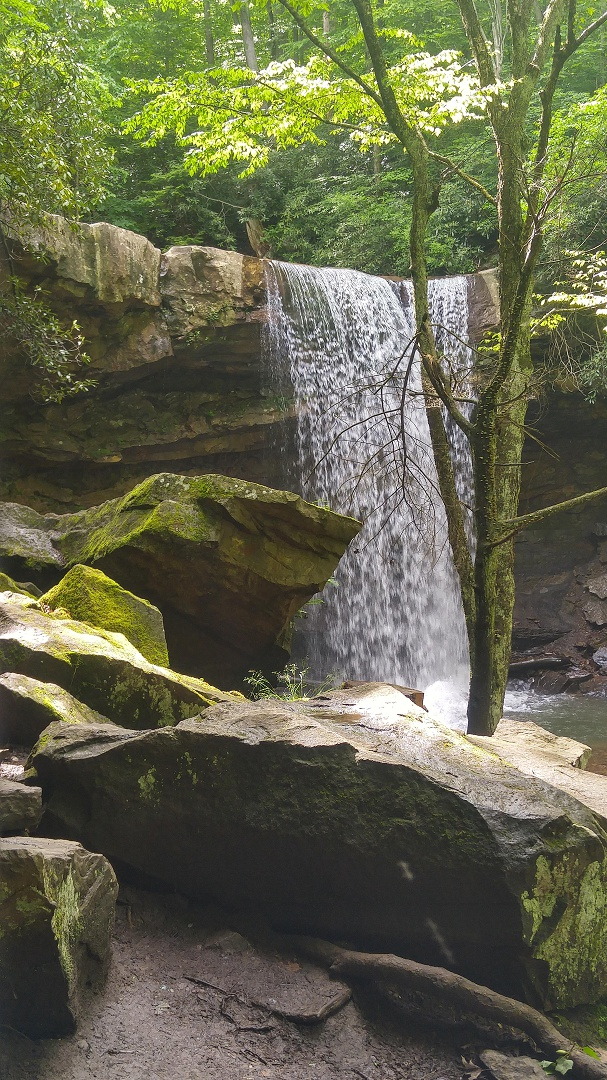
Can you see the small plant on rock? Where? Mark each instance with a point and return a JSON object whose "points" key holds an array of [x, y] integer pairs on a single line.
{"points": [[291, 684]]}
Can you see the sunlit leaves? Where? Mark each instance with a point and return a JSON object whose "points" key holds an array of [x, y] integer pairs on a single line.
{"points": [[230, 114]]}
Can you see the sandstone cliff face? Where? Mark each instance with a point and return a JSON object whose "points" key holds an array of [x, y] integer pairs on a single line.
{"points": [[174, 341]]}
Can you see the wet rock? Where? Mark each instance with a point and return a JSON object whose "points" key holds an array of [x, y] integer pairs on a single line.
{"points": [[28, 706], [90, 596], [228, 563], [598, 586], [600, 659], [595, 611], [356, 820], [58, 905], [102, 669], [20, 807]]}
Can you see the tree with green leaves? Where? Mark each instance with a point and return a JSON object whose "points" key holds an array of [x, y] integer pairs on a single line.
{"points": [[380, 87], [52, 160]]}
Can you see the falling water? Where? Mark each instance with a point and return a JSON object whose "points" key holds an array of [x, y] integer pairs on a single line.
{"points": [[341, 343]]}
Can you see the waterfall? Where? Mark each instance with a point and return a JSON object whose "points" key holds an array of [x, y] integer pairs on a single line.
{"points": [[340, 342]]}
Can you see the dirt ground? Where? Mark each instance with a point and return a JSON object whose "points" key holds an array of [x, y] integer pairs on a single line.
{"points": [[189, 998]]}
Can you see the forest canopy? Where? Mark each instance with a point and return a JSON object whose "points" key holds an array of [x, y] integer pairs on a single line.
{"points": [[79, 80]]}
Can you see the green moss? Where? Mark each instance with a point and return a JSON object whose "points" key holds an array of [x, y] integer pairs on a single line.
{"points": [[67, 918], [147, 784], [567, 911], [89, 596], [8, 585]]}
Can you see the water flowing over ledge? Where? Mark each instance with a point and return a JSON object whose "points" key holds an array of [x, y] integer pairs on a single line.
{"points": [[342, 343]]}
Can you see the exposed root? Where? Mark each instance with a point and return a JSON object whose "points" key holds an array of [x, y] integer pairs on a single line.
{"points": [[441, 997]]}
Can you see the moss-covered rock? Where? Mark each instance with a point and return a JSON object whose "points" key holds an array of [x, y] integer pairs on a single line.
{"points": [[8, 585], [28, 706], [227, 562], [355, 818], [57, 902], [90, 596], [100, 668], [20, 807]]}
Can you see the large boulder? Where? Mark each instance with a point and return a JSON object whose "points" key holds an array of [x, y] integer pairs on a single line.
{"points": [[90, 596], [102, 669], [353, 818], [57, 903], [20, 807], [28, 706], [228, 563]]}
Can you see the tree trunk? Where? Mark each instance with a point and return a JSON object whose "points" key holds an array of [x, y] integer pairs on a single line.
{"points": [[209, 44], [272, 30], [247, 37]]}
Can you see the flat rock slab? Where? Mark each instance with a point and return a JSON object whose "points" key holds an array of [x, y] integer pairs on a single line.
{"points": [[505, 1067], [357, 820], [293, 989], [521, 740], [100, 668], [57, 903], [551, 758], [20, 807], [228, 563]]}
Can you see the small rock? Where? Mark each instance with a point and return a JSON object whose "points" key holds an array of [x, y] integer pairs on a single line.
{"points": [[600, 659], [598, 586], [20, 807]]}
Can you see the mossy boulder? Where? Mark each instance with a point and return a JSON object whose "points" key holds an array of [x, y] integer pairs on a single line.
{"points": [[57, 902], [355, 818], [100, 668], [88, 595], [28, 706], [228, 563], [20, 807], [8, 585]]}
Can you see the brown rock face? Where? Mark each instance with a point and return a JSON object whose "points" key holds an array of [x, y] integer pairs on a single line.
{"points": [[174, 342], [562, 563]]}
